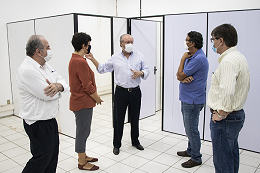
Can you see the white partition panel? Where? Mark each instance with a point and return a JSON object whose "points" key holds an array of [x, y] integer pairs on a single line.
{"points": [[249, 138], [144, 33], [99, 28], [176, 30], [18, 34], [119, 28], [59, 31], [214, 20]]}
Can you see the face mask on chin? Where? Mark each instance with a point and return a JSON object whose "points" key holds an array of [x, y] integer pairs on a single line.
{"points": [[49, 56], [129, 48]]}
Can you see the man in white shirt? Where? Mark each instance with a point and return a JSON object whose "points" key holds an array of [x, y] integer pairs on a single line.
{"points": [[230, 84], [40, 86], [129, 68]]}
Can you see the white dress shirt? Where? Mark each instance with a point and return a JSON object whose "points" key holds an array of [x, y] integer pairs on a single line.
{"points": [[122, 68], [230, 82], [31, 80]]}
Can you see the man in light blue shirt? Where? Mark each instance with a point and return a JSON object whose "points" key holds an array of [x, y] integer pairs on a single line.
{"points": [[192, 74], [129, 68]]}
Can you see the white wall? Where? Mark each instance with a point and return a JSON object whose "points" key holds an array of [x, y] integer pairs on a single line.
{"points": [[131, 8], [16, 10]]}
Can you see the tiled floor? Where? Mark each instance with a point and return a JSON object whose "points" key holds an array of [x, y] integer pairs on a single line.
{"points": [[159, 154]]}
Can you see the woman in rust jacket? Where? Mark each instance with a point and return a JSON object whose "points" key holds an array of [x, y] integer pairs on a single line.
{"points": [[83, 97]]}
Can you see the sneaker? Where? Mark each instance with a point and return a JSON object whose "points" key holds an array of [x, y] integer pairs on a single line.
{"points": [[183, 154], [190, 163]]}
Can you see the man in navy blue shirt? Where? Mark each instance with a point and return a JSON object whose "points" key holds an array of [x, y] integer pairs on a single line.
{"points": [[192, 74]]}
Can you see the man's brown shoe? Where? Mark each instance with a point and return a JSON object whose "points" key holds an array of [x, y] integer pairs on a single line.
{"points": [[183, 154], [190, 163]]}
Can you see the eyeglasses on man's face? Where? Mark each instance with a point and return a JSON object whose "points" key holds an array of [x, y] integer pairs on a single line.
{"points": [[212, 39]]}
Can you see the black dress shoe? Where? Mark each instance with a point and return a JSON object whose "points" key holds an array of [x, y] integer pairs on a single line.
{"points": [[139, 147], [183, 154], [190, 163], [116, 151]]}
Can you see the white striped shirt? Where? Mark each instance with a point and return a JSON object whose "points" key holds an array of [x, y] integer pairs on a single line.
{"points": [[230, 82]]}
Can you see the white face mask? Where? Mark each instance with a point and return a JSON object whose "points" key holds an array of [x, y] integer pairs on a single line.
{"points": [[129, 48], [185, 46], [49, 56]]}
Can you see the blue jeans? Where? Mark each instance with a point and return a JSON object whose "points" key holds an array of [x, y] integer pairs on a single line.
{"points": [[191, 114], [224, 135]]}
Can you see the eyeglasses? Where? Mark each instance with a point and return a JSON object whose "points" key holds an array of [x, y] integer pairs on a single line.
{"points": [[187, 40], [212, 39]]}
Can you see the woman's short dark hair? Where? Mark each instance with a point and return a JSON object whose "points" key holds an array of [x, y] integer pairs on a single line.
{"points": [[196, 38], [33, 43], [227, 32], [79, 39]]}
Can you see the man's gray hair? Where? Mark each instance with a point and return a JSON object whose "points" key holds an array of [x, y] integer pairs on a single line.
{"points": [[34, 43], [121, 37]]}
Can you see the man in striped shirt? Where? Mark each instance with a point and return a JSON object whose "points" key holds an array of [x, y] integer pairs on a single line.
{"points": [[230, 84]]}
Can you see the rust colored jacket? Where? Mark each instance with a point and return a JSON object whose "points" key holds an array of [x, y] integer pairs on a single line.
{"points": [[82, 83]]}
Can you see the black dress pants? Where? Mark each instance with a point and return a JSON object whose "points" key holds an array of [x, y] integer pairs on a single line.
{"points": [[123, 99], [44, 143]]}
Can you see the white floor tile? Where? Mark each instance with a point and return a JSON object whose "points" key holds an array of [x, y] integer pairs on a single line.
{"points": [[7, 146], [154, 167], [159, 146], [7, 164], [246, 169], [251, 154], [174, 170], [257, 171], [22, 141], [167, 159], [23, 158], [250, 161], [3, 157], [205, 169], [148, 154], [138, 171], [184, 159], [135, 161], [62, 156], [102, 149], [121, 156], [7, 132], [14, 152], [104, 163], [3, 140], [102, 139], [119, 168], [154, 136], [159, 155], [14, 169], [65, 144], [68, 164], [170, 140]]}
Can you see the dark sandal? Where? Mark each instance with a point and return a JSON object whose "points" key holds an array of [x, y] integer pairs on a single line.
{"points": [[91, 159], [91, 167]]}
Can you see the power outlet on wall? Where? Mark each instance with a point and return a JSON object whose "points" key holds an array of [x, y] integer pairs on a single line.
{"points": [[8, 102]]}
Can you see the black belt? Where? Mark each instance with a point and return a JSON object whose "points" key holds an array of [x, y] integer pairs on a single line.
{"points": [[211, 110], [128, 89]]}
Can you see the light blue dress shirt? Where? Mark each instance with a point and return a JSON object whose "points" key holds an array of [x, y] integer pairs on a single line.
{"points": [[122, 68]]}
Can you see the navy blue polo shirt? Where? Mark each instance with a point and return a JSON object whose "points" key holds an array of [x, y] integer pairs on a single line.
{"points": [[196, 66]]}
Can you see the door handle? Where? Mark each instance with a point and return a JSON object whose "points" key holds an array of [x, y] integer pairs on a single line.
{"points": [[154, 70]]}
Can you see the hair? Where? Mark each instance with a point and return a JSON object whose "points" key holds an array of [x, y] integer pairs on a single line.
{"points": [[196, 38], [227, 32], [122, 36], [79, 39], [34, 43]]}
